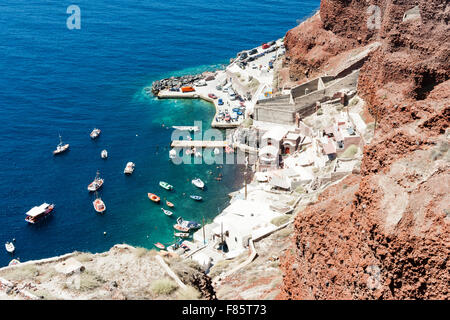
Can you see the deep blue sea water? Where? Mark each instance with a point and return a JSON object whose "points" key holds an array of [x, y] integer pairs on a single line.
{"points": [[54, 80]]}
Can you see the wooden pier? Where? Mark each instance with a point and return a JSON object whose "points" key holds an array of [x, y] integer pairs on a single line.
{"points": [[199, 144]]}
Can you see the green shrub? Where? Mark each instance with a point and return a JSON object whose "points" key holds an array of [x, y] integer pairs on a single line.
{"points": [[300, 189], [163, 286], [350, 151], [354, 101], [189, 293], [90, 281], [139, 252], [247, 123], [278, 221], [219, 268], [26, 272]]}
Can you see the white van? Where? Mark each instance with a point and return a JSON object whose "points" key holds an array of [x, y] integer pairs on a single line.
{"points": [[231, 94]]}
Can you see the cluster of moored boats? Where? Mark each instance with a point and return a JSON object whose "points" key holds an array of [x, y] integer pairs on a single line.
{"points": [[37, 213], [182, 226]]}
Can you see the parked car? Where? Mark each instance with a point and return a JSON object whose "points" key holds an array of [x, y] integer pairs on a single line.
{"points": [[212, 96], [265, 46], [219, 87], [220, 102], [253, 51], [200, 83]]}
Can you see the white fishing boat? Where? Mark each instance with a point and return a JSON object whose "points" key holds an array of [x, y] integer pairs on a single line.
{"points": [[186, 128], [129, 168], [96, 184], [198, 183], [61, 147], [10, 247], [95, 133], [104, 154], [167, 212], [181, 234]]}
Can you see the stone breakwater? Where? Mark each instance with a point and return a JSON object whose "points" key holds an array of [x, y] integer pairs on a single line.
{"points": [[175, 83]]}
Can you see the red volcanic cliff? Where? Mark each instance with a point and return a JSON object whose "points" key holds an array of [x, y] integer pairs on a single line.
{"points": [[383, 234]]}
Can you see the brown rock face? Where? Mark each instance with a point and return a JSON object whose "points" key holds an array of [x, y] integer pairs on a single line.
{"points": [[383, 234]]}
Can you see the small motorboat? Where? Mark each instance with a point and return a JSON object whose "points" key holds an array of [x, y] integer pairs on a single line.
{"points": [[180, 228], [61, 147], [181, 234], [216, 151], [228, 149], [189, 152], [165, 185], [104, 154], [10, 247], [39, 212], [153, 197], [95, 133], [129, 168], [198, 183], [196, 198], [198, 154], [170, 204], [167, 212], [188, 224], [96, 184], [160, 246], [14, 262], [172, 154], [99, 205]]}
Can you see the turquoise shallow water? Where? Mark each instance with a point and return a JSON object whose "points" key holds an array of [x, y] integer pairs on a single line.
{"points": [[56, 80]]}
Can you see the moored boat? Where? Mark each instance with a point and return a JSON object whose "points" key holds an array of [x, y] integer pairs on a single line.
{"points": [[196, 198], [198, 183], [96, 184], [104, 154], [95, 133], [39, 212], [172, 154], [180, 228], [165, 185], [14, 262], [153, 197], [167, 212], [61, 147], [188, 224], [160, 246], [129, 168], [99, 205], [10, 247], [170, 204], [181, 234]]}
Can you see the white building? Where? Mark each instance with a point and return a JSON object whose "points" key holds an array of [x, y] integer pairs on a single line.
{"points": [[242, 220]]}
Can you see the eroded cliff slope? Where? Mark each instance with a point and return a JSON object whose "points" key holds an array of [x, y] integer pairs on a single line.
{"points": [[382, 234]]}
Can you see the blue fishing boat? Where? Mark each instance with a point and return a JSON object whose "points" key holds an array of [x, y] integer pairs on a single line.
{"points": [[196, 198]]}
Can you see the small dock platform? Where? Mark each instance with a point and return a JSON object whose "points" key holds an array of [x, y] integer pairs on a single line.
{"points": [[199, 144]]}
